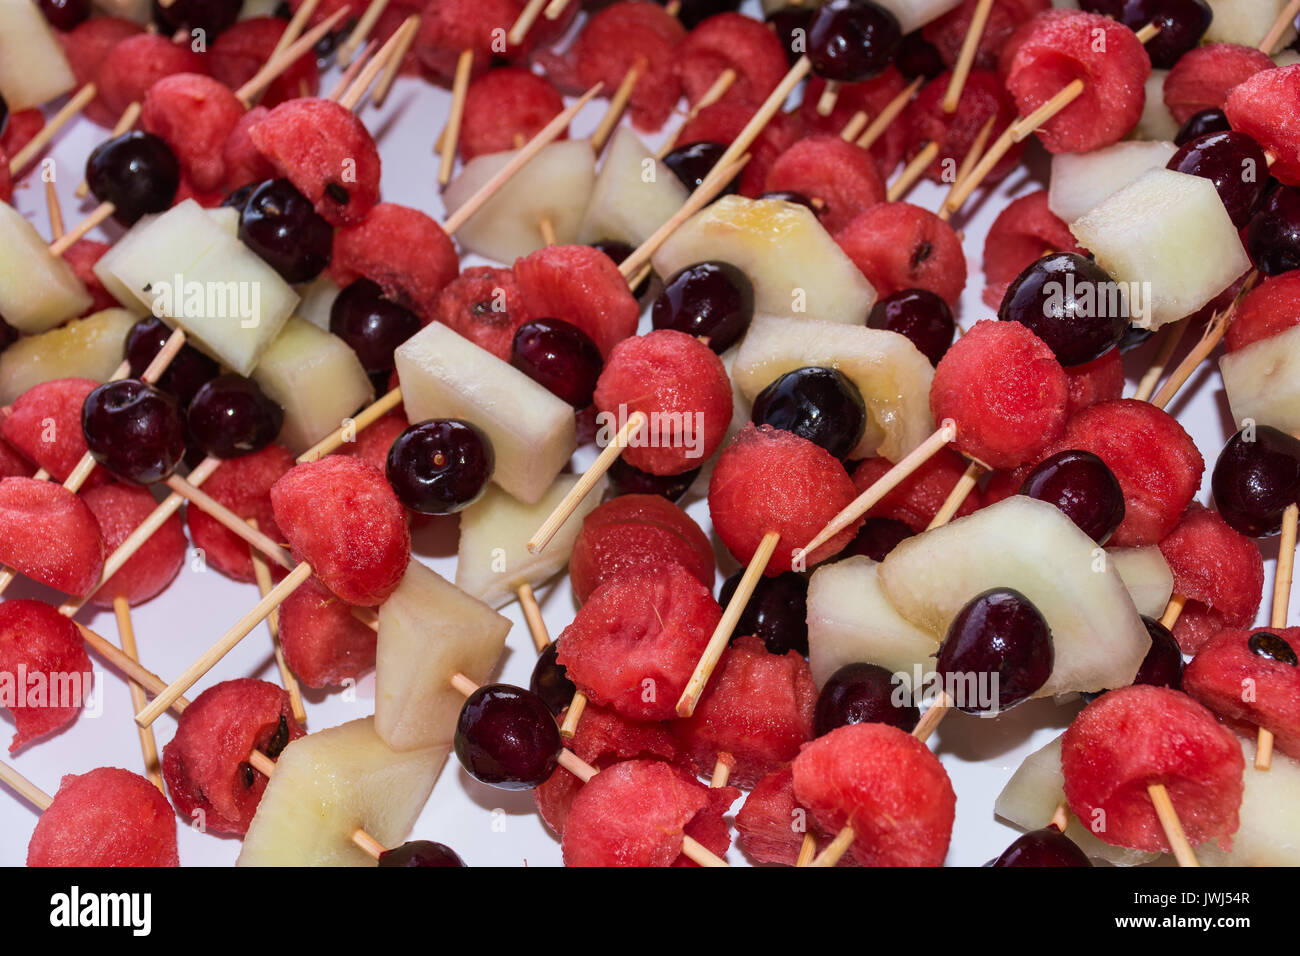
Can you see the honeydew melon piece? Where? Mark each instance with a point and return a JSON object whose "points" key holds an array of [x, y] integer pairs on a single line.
{"points": [[796, 267], [850, 620], [1262, 381], [83, 348], [1245, 22], [227, 217], [1030, 546], [633, 196], [315, 378], [914, 14], [892, 375], [1156, 121], [553, 185], [1080, 182], [331, 783], [1169, 238], [33, 69], [317, 298], [1146, 575], [430, 630], [1032, 795], [493, 558], [1269, 834], [37, 290], [444, 375]]}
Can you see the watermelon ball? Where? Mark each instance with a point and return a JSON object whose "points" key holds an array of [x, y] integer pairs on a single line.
{"points": [[1273, 235], [450, 26], [982, 98], [86, 46], [1271, 307], [1079, 484], [999, 633], [193, 114], [1265, 660], [50, 535], [1130, 738], [841, 176], [1256, 478], [486, 306], [1045, 847], [1156, 462], [1182, 23], [870, 97], [20, 129], [326, 152], [634, 532], [637, 639], [771, 826], [864, 693], [948, 32], [731, 41], [12, 464], [1024, 231], [1071, 303], [680, 385], [245, 165], [1218, 570], [885, 784], [239, 52], [206, 764], [341, 516], [777, 612], [135, 63], [81, 257], [1101, 380], [120, 509], [900, 246], [503, 106], [1256, 108], [582, 286], [244, 486], [819, 404], [324, 644], [917, 500], [1204, 77], [48, 648], [107, 817], [1005, 391], [758, 708], [709, 827], [1055, 48], [44, 424], [768, 480]]}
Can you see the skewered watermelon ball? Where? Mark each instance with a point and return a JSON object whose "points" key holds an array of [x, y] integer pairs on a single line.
{"points": [[1101, 380], [1271, 307], [323, 643], [982, 98], [485, 305], [107, 817], [133, 64], [582, 286], [731, 41], [771, 826], [239, 52], [948, 32], [244, 486], [193, 114], [450, 26], [1204, 77], [37, 640], [839, 174], [900, 246], [86, 46], [505, 105], [916, 501], [44, 424], [1267, 661], [120, 509], [1256, 106], [1024, 231], [48, 534], [870, 97]]}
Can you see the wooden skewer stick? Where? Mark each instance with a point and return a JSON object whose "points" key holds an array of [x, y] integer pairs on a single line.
{"points": [[966, 58], [533, 616], [297, 23], [24, 787], [617, 104], [1060, 818], [973, 156], [257, 540], [1173, 611], [1210, 339], [280, 62], [365, 418], [1284, 19], [573, 715], [555, 9], [148, 744], [722, 768], [524, 22], [379, 93], [913, 171], [1172, 826], [830, 96], [1277, 618], [854, 127], [124, 123], [1147, 385], [287, 679], [451, 132], [68, 239], [890, 113], [54, 210], [75, 105], [959, 493], [349, 75], [807, 850], [726, 79], [388, 51], [349, 48], [763, 115], [836, 849]]}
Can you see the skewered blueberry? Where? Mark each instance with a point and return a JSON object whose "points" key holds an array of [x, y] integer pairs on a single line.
{"points": [[137, 172]]}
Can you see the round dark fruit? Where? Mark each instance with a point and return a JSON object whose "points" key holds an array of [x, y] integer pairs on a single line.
{"points": [[999, 635], [440, 466], [777, 611], [790, 25], [550, 681], [1271, 647], [1071, 303], [877, 537], [1134, 337], [238, 198], [1234, 163], [691, 13], [920, 315], [210, 16], [506, 737], [711, 300], [185, 374], [917, 56], [816, 403], [1273, 235], [1182, 23], [231, 416], [627, 479], [282, 226], [1045, 847], [65, 15], [1212, 120], [134, 430], [693, 162], [1256, 478], [371, 325], [1163, 665], [137, 172], [421, 853], [864, 694], [852, 40], [1083, 488], [558, 356]]}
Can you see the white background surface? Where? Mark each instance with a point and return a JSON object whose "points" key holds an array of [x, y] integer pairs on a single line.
{"points": [[488, 826]]}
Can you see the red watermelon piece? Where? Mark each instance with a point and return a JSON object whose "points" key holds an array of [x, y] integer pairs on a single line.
{"points": [[580, 285], [324, 644], [948, 32], [839, 174], [107, 817], [900, 246], [870, 97], [134, 64], [193, 114], [917, 500], [243, 163], [1257, 106], [505, 104], [244, 486], [771, 826], [1025, 231], [1271, 307], [1203, 77], [241, 49], [1101, 380], [82, 256], [44, 423], [48, 534], [120, 509], [1226, 666], [57, 677], [731, 41], [982, 97], [86, 46], [486, 306], [450, 26]]}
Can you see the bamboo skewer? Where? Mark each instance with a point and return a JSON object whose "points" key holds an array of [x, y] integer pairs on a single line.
{"points": [[890, 113], [968, 162], [349, 75], [726, 79], [101, 212], [1173, 336], [280, 62], [524, 22], [148, 744], [913, 171], [451, 133], [1284, 19], [533, 616], [854, 127], [348, 49], [380, 91], [287, 679], [966, 58], [830, 96], [297, 23], [1277, 618], [617, 104], [70, 109], [357, 91], [1172, 826], [124, 122], [555, 9], [24, 787], [54, 210]]}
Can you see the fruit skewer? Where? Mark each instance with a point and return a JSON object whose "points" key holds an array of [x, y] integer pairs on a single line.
{"points": [[966, 58]]}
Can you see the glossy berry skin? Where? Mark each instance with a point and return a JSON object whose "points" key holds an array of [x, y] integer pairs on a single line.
{"points": [[617, 252], [372, 325], [558, 356], [863, 693], [64, 15], [1069, 302], [187, 371], [1182, 24], [777, 611], [692, 162], [1083, 488], [712, 300], [137, 172], [1212, 120], [852, 40], [1255, 481], [134, 430], [211, 16], [231, 416], [785, 23], [920, 315], [997, 633], [282, 226], [421, 853], [819, 404], [1045, 847], [440, 466], [1273, 235], [1223, 159], [877, 537], [238, 197], [506, 737], [1134, 338], [917, 56], [550, 681], [1163, 665], [627, 479]]}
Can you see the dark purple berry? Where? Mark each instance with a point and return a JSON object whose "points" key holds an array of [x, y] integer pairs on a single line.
{"points": [[282, 226], [231, 416], [777, 611], [506, 737], [1256, 478], [550, 681], [371, 325], [852, 40], [627, 479], [186, 374], [920, 315], [819, 404], [137, 172], [64, 15], [558, 356], [917, 56], [1045, 847], [210, 16], [617, 252], [440, 466], [791, 24], [877, 537], [1083, 488], [1163, 665], [712, 300], [1182, 23], [1071, 303], [1273, 235], [998, 644], [421, 853], [693, 162], [1234, 163], [134, 430], [864, 694], [1212, 120]]}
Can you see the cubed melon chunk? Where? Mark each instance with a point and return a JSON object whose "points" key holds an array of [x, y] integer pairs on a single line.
{"points": [[83, 348], [1262, 381], [317, 298], [553, 185], [914, 14], [1246, 22], [796, 267], [851, 621], [892, 375], [444, 375], [1081, 181], [315, 378], [331, 783], [33, 69], [1169, 240], [1156, 121], [1146, 574], [1269, 834], [37, 290], [633, 196], [1033, 547], [493, 558], [429, 631]]}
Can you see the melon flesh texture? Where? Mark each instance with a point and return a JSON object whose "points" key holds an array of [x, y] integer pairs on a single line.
{"points": [[1262, 381], [444, 375], [37, 290], [1030, 546], [892, 375], [1032, 795], [914, 14], [317, 299], [796, 267], [315, 378], [83, 348], [1246, 22], [1269, 834], [1169, 233], [430, 630], [328, 784], [1080, 182], [1156, 122], [1146, 575], [33, 69], [850, 620], [493, 557], [187, 230], [633, 196], [553, 185]]}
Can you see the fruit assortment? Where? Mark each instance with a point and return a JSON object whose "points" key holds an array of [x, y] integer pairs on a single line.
{"points": [[754, 320]]}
